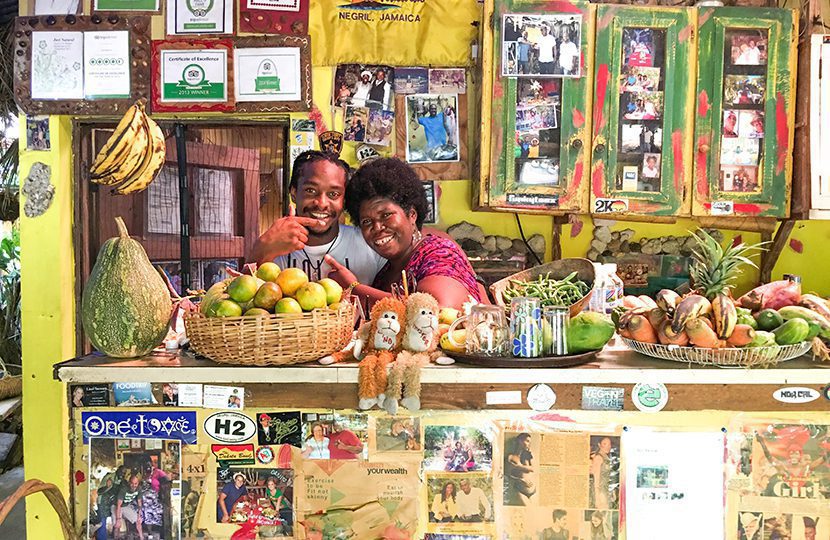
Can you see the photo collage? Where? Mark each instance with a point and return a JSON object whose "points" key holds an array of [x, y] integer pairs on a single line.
{"points": [[538, 110], [458, 461], [744, 94], [366, 94], [541, 45], [561, 485], [641, 83]]}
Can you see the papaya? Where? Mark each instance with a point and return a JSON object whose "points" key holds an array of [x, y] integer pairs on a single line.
{"points": [[125, 306], [588, 331], [792, 331]]}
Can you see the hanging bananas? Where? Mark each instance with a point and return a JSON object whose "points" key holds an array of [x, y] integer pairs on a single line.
{"points": [[133, 155]]}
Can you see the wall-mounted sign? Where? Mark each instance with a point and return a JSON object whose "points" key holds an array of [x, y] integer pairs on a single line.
{"points": [[177, 425], [650, 397], [267, 74], [598, 398], [194, 76], [107, 65], [57, 65], [229, 427], [199, 17]]}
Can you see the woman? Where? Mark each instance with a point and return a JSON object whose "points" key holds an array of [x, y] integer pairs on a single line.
{"points": [[457, 462], [598, 530], [78, 396], [387, 200], [280, 503], [601, 469], [317, 444], [444, 508], [518, 470]]}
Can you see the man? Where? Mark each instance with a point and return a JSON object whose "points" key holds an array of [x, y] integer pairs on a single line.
{"points": [[730, 124], [434, 129], [568, 54], [343, 444], [471, 501], [753, 54], [523, 54], [380, 92], [546, 46], [318, 184], [128, 506], [557, 530], [231, 493], [810, 527], [362, 88]]}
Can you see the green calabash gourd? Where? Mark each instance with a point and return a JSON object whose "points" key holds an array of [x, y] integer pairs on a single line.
{"points": [[126, 305]]}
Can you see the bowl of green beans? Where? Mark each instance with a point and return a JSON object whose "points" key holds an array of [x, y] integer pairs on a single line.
{"points": [[566, 282]]}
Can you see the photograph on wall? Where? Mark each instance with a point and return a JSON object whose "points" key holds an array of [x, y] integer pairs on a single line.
{"points": [[170, 395], [412, 80], [744, 89], [267, 74], [223, 397], [362, 85], [279, 428], [133, 394], [447, 81], [459, 499], [674, 482], [642, 105], [782, 526], [641, 138], [639, 79], [740, 151], [432, 192], [37, 133], [380, 127], [538, 144], [354, 123], [751, 124], [134, 491], [748, 47], [536, 172], [457, 449], [432, 128], [335, 436], [739, 178], [91, 395], [535, 118], [193, 76], [398, 433], [261, 498], [604, 473], [651, 167], [641, 46], [541, 45]]}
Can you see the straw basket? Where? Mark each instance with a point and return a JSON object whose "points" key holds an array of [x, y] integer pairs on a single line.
{"points": [[558, 269], [52, 494], [277, 340]]}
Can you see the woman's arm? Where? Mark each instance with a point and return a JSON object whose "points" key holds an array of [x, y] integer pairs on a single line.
{"points": [[446, 290]]}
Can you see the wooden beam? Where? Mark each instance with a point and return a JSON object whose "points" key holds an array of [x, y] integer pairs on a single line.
{"points": [[770, 257], [801, 198]]}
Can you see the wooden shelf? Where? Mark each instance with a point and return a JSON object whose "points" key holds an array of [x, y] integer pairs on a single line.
{"points": [[465, 387]]}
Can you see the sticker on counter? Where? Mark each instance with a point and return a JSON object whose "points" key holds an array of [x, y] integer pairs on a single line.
{"points": [[256, 498], [233, 454], [610, 206], [541, 397], [796, 394], [264, 455], [190, 395], [599, 398], [224, 397], [279, 428], [229, 427], [170, 395], [650, 397], [179, 425], [503, 397], [532, 199], [133, 394], [723, 208], [91, 395]]}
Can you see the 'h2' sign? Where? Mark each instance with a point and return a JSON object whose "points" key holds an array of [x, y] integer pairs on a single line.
{"points": [[229, 427]]}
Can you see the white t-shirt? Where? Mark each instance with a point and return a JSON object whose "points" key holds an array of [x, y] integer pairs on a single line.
{"points": [[568, 52], [546, 45], [349, 249]]}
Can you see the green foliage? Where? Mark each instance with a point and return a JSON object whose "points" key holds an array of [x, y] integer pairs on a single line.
{"points": [[10, 299]]}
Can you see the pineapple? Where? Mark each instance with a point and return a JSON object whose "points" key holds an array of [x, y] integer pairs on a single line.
{"points": [[714, 269]]}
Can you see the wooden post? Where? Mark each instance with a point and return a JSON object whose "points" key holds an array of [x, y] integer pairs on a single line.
{"points": [[770, 257]]}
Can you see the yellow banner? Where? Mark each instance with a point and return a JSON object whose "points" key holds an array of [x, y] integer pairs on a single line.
{"points": [[393, 32]]}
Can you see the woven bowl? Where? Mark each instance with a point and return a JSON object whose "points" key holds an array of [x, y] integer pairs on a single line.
{"points": [[558, 269], [277, 340]]}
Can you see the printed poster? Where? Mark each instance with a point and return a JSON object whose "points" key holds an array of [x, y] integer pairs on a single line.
{"points": [[57, 65], [559, 484], [267, 74], [674, 481], [199, 17], [357, 499], [107, 65], [194, 76]]}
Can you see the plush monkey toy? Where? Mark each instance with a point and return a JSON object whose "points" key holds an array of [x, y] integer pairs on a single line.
{"points": [[381, 343], [420, 344]]}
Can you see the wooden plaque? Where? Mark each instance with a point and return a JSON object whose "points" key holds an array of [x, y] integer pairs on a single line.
{"points": [[190, 44], [139, 29]]}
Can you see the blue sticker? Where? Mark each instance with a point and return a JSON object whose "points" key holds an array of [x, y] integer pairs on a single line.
{"points": [[140, 425]]}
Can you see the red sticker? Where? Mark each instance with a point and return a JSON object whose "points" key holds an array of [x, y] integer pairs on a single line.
{"points": [[796, 245], [576, 227], [737, 240], [80, 477]]}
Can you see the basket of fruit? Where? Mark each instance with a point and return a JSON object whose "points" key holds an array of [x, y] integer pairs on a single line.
{"points": [[707, 326], [566, 282], [271, 318]]}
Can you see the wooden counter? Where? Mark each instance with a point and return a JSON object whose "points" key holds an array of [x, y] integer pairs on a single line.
{"points": [[460, 386]]}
